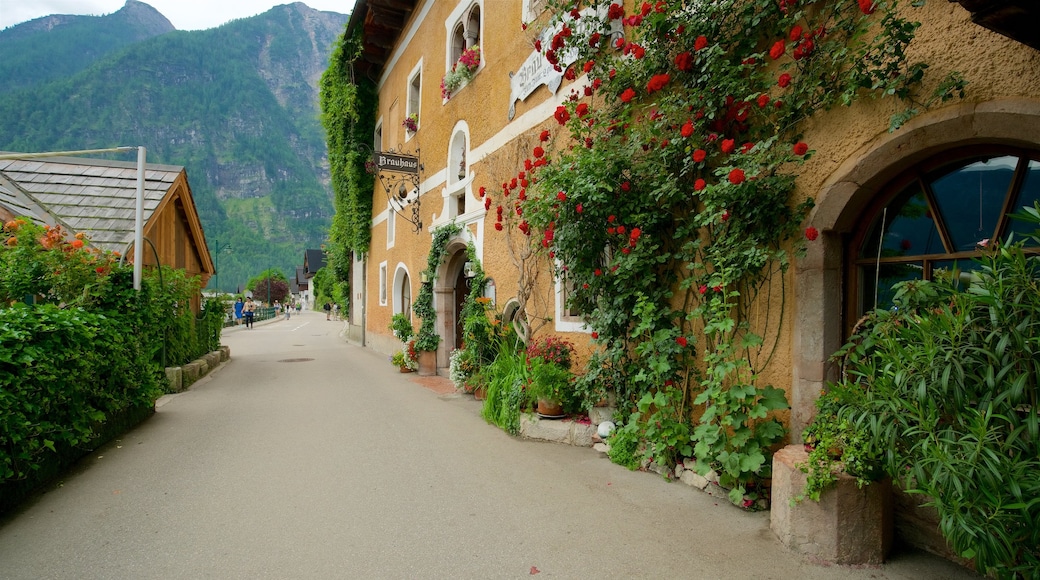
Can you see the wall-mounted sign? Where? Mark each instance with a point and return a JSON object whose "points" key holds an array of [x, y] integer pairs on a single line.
{"points": [[536, 71], [396, 163]]}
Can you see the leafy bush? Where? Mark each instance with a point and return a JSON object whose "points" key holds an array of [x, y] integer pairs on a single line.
{"points": [[944, 392], [505, 378]]}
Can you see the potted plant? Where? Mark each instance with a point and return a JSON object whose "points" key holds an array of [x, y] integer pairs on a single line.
{"points": [[402, 361], [401, 326], [411, 123], [461, 72], [549, 387]]}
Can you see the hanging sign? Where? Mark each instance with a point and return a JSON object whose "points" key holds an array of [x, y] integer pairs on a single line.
{"points": [[396, 163]]}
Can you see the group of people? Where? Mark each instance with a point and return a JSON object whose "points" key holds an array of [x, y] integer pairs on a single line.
{"points": [[245, 310], [331, 311]]}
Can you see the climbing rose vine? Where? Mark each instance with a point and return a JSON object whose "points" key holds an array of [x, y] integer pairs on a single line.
{"points": [[664, 192]]}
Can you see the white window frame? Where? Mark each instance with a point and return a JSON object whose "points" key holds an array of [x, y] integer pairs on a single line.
{"points": [[382, 284], [565, 322], [461, 16], [401, 280], [391, 226], [413, 104]]}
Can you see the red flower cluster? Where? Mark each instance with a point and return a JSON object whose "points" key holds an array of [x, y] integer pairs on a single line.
{"points": [[684, 61], [800, 148], [811, 234], [561, 115], [701, 43], [736, 176], [626, 96]]}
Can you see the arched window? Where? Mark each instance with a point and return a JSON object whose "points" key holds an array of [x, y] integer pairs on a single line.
{"points": [[402, 292], [932, 221], [464, 29]]}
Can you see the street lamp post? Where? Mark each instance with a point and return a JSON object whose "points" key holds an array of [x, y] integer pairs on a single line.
{"points": [[216, 260]]}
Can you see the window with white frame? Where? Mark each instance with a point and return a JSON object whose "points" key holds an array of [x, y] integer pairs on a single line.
{"points": [[382, 284], [458, 171], [402, 292], [412, 106], [464, 27]]}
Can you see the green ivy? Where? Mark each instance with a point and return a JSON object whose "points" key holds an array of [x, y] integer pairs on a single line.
{"points": [[427, 338], [348, 106]]}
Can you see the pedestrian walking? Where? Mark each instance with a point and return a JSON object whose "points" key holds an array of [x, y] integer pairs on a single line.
{"points": [[328, 311], [288, 310], [335, 311], [239, 305], [249, 309]]}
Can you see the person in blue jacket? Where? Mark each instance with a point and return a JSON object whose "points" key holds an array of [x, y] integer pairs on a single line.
{"points": [[238, 311]]}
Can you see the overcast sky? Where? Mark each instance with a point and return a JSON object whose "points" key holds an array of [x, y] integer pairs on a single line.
{"points": [[184, 14]]}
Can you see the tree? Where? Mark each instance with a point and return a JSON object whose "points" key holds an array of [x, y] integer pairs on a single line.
{"points": [[270, 286]]}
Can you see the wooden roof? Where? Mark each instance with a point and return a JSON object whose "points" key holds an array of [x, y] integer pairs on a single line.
{"points": [[1016, 19], [381, 23], [97, 197]]}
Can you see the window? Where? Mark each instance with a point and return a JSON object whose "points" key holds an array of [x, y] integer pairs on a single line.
{"points": [[458, 174], [391, 225], [402, 292], [382, 284], [377, 138], [932, 221], [412, 106], [463, 29]]}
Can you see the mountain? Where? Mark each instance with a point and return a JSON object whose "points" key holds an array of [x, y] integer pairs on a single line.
{"points": [[237, 105], [60, 45]]}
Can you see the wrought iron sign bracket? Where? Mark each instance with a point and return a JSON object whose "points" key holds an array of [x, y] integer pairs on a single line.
{"points": [[401, 176]]}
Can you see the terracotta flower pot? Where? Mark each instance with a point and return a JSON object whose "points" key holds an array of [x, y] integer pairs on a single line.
{"points": [[427, 363], [480, 393], [549, 409]]}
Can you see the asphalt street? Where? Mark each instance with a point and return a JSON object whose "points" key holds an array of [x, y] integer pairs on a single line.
{"points": [[308, 457]]}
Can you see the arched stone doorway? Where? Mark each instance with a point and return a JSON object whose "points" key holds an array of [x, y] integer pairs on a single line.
{"points": [[449, 293], [819, 317]]}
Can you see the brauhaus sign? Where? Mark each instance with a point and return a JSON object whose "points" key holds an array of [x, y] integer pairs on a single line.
{"points": [[398, 163]]}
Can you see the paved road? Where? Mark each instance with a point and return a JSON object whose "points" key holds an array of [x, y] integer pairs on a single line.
{"points": [[337, 466]]}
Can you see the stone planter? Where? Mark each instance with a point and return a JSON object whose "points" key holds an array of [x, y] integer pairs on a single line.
{"points": [[849, 525], [427, 363]]}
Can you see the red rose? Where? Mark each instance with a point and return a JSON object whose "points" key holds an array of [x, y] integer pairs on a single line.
{"points": [[625, 186], [867, 6], [487, 203], [538, 152], [800, 148], [638, 51], [498, 226], [699, 155], [699, 185], [537, 45], [681, 341], [784, 80], [796, 33], [728, 145], [615, 11], [684, 61], [778, 49], [588, 65], [570, 75], [725, 215], [627, 96], [657, 82], [595, 334], [621, 230], [736, 176], [804, 49], [610, 219], [703, 288], [594, 39], [597, 272], [582, 110], [561, 196], [544, 136], [562, 116], [579, 208], [763, 100], [811, 234], [701, 43], [482, 191], [687, 129]]}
